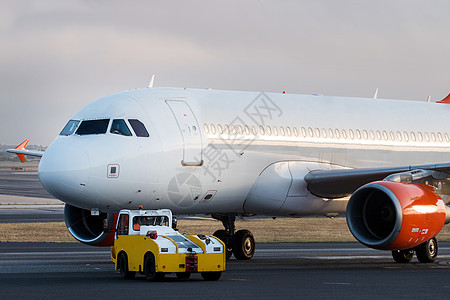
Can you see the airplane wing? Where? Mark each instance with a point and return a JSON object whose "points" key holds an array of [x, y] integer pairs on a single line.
{"points": [[21, 151], [341, 183]]}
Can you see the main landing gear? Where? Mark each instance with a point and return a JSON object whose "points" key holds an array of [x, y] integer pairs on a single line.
{"points": [[240, 243], [426, 252]]}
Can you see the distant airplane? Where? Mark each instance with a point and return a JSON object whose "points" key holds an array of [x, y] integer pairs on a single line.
{"points": [[230, 153]]}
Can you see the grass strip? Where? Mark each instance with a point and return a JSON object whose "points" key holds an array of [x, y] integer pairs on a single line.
{"points": [[264, 230]]}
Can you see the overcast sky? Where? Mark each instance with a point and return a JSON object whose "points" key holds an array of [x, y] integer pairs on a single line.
{"points": [[56, 56]]}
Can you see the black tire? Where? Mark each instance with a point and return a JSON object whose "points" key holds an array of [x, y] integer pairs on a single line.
{"points": [[211, 276], [224, 237], [122, 265], [243, 245], [150, 269], [403, 256], [183, 275], [428, 251]]}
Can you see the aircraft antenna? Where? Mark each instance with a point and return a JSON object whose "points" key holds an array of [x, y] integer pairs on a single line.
{"points": [[376, 94], [150, 85], [429, 99]]}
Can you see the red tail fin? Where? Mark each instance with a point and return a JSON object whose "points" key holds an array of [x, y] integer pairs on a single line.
{"points": [[21, 147], [445, 100]]}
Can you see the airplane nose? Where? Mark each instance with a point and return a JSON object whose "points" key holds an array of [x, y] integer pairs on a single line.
{"points": [[64, 171]]}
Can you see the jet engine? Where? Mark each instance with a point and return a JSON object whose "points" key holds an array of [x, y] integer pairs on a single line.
{"points": [[391, 215], [88, 229]]}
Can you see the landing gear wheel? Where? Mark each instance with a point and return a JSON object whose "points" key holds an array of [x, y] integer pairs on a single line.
{"points": [[183, 275], [428, 251], [223, 235], [243, 245], [150, 270], [211, 276], [403, 256], [123, 267]]}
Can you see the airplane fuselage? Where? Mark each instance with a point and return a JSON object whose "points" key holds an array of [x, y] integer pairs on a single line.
{"points": [[217, 151]]}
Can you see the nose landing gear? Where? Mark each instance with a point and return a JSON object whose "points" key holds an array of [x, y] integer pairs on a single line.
{"points": [[240, 243]]}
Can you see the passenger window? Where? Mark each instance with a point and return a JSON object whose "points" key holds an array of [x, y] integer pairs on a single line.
{"points": [[420, 136], [365, 134], [282, 130], [275, 130], [139, 128], [120, 127], [213, 129], [206, 128], [70, 127], [378, 135], [337, 134], [288, 131], [433, 137], [392, 135], [303, 131], [261, 129], [351, 134], [324, 132], [318, 132], [405, 136], [122, 226], [330, 132], [268, 130], [295, 131], [93, 127]]}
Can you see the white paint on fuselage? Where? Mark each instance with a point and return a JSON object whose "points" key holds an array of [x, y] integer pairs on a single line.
{"points": [[74, 168]]}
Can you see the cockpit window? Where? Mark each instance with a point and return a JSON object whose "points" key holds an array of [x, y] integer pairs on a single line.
{"points": [[120, 127], [70, 127], [93, 127], [138, 128]]}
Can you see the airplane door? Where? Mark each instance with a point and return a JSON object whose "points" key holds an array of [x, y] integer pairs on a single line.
{"points": [[190, 131]]}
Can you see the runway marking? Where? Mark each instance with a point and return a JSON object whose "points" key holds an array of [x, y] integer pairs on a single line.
{"points": [[316, 250], [337, 283], [238, 279], [346, 257], [328, 249], [62, 253]]}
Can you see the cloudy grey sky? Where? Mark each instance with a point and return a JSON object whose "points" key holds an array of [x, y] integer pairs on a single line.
{"points": [[56, 56]]}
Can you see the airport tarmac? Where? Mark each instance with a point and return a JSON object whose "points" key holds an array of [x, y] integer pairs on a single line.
{"points": [[291, 270], [294, 270], [22, 184]]}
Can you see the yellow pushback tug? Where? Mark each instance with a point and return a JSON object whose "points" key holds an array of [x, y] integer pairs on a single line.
{"points": [[145, 242]]}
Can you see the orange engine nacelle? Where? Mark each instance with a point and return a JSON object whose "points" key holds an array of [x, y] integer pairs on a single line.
{"points": [[391, 215]]}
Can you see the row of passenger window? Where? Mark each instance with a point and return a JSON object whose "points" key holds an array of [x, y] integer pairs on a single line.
{"points": [[326, 133], [118, 126]]}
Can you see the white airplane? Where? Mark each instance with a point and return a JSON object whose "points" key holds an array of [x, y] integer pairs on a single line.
{"points": [[229, 154]]}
